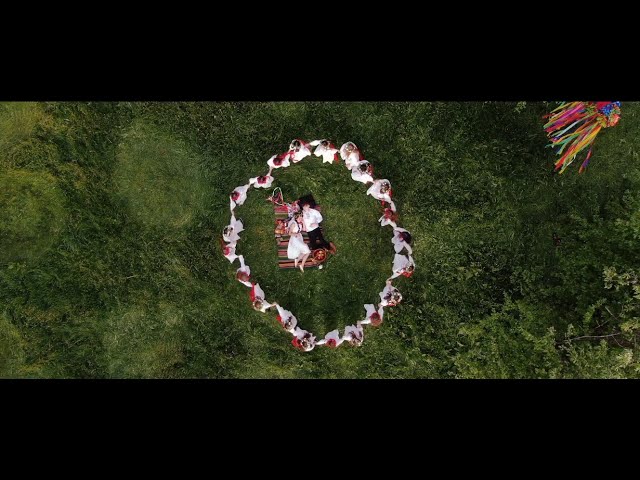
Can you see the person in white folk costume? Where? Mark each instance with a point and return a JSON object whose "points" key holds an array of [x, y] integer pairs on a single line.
{"points": [[402, 265], [229, 252], [239, 195], [231, 231], [331, 339], [299, 149], [374, 317], [362, 172], [287, 319], [390, 296], [258, 298], [263, 181], [381, 190], [354, 334], [350, 154], [326, 150], [389, 217], [279, 161], [243, 274], [297, 249], [303, 340], [311, 219], [401, 239]]}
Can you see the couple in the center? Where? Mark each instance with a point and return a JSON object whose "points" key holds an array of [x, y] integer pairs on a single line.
{"points": [[307, 220]]}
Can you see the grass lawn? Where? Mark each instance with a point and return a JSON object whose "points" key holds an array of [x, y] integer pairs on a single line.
{"points": [[111, 213]]}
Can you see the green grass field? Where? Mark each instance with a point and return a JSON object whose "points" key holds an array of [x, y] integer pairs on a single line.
{"points": [[110, 267]]}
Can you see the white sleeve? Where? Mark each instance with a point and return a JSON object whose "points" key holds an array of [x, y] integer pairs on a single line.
{"points": [[408, 247], [315, 142], [318, 216], [242, 265]]}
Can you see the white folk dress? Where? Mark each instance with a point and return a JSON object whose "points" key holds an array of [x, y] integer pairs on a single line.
{"points": [[351, 158], [371, 309], [386, 221], [243, 268], [400, 264], [398, 243], [258, 293], [236, 227], [241, 195], [230, 252], [388, 289], [374, 191], [283, 316], [352, 332], [358, 175], [300, 152], [296, 247], [328, 152], [299, 334], [331, 339], [264, 181], [285, 163]]}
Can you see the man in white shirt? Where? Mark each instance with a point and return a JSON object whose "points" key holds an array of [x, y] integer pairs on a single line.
{"points": [[311, 219]]}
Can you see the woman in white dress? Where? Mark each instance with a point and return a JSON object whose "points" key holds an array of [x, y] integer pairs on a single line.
{"points": [[326, 150], [381, 190], [362, 172], [279, 161], [239, 195], [263, 181], [303, 340], [231, 231], [374, 317], [229, 252], [297, 249], [243, 274], [354, 334], [402, 265], [390, 296], [286, 319], [388, 217], [331, 339], [401, 239], [258, 299], [350, 154], [299, 149]]}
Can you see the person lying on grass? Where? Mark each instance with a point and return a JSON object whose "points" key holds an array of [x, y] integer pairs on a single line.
{"points": [[331, 339], [326, 150], [390, 296], [297, 250]]}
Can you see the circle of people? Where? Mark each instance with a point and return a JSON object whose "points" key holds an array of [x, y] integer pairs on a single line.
{"points": [[380, 189]]}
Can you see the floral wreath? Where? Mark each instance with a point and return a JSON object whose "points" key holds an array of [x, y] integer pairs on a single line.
{"points": [[380, 189]]}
